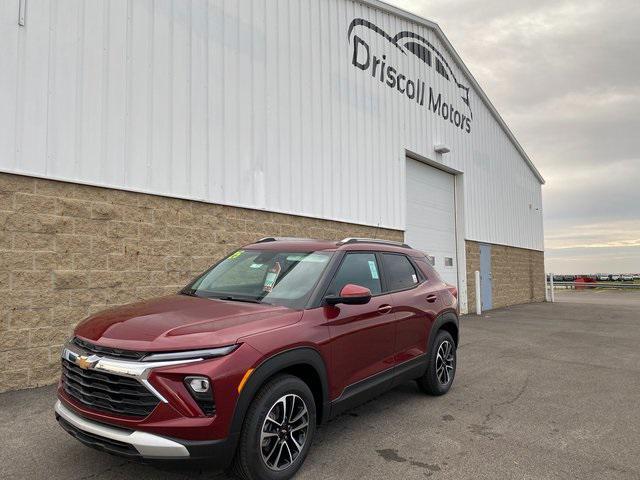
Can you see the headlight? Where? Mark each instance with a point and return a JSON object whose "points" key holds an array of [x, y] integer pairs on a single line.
{"points": [[188, 354]]}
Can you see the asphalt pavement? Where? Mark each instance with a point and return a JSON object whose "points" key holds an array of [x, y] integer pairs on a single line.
{"points": [[543, 391]]}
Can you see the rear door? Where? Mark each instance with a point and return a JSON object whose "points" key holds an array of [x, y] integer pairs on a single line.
{"points": [[362, 336], [416, 301]]}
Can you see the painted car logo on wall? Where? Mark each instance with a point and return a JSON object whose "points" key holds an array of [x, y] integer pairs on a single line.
{"points": [[413, 88]]}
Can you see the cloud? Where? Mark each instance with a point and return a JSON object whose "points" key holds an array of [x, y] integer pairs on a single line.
{"points": [[607, 191], [596, 235], [565, 76], [588, 261]]}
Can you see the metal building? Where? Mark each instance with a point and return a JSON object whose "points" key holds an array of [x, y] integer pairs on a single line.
{"points": [[348, 111]]}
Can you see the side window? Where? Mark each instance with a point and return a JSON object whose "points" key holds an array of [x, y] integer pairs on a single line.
{"points": [[359, 269], [399, 271]]}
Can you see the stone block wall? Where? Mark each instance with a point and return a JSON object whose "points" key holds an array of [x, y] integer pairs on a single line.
{"points": [[518, 275], [69, 250]]}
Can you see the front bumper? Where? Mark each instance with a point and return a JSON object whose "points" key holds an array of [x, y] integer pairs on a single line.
{"points": [[176, 428], [135, 444], [130, 443]]}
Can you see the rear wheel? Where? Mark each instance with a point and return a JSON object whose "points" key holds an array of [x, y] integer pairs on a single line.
{"points": [[277, 432], [438, 378]]}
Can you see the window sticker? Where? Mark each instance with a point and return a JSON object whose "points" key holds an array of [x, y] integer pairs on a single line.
{"points": [[256, 265], [414, 278], [271, 277], [374, 269], [235, 255]]}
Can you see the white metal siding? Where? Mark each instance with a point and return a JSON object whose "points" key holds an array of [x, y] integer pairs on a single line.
{"points": [[245, 102]]}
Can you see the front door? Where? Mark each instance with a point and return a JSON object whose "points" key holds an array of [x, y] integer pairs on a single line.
{"points": [[486, 277], [362, 336]]}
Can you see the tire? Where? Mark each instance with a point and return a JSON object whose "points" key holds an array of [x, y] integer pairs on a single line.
{"points": [[432, 380], [256, 456]]}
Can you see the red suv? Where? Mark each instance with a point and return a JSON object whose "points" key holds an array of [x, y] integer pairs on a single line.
{"points": [[244, 363]]}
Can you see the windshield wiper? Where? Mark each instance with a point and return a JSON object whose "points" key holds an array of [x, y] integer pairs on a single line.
{"points": [[238, 299], [189, 292]]}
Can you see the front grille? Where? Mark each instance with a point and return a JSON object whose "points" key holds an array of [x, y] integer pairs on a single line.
{"points": [[101, 443], [107, 351], [107, 392]]}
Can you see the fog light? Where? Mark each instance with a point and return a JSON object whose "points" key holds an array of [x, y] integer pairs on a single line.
{"points": [[202, 392], [198, 384]]}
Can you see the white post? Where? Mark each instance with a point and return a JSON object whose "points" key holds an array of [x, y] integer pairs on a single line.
{"points": [[546, 287], [553, 297], [478, 298]]}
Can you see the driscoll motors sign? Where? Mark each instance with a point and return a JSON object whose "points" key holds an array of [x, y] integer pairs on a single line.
{"points": [[381, 68]]}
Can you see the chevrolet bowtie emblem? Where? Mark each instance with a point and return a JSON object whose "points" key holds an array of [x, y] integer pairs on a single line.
{"points": [[84, 362]]}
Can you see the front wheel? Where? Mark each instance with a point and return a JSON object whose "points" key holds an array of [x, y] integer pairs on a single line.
{"points": [[277, 432], [438, 378]]}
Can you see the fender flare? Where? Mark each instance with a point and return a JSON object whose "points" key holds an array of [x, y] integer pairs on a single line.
{"points": [[305, 356], [439, 322]]}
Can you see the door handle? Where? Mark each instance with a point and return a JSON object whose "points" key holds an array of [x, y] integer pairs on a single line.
{"points": [[384, 308], [432, 298]]}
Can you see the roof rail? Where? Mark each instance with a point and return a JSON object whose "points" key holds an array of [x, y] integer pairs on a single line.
{"points": [[288, 239], [373, 240]]}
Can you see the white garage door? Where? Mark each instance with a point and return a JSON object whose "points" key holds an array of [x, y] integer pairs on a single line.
{"points": [[431, 221]]}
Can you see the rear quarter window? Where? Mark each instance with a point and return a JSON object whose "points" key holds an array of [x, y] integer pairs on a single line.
{"points": [[427, 269], [400, 272]]}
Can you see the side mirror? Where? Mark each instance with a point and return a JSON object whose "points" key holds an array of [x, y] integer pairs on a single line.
{"points": [[350, 295]]}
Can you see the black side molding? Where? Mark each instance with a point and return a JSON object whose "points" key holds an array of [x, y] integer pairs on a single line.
{"points": [[364, 390]]}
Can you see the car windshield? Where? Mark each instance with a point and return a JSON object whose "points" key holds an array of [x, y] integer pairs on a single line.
{"points": [[263, 276]]}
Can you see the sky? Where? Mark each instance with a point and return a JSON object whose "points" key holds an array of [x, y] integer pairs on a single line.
{"points": [[565, 76]]}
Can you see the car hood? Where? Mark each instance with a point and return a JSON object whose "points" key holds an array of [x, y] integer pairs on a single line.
{"points": [[180, 322]]}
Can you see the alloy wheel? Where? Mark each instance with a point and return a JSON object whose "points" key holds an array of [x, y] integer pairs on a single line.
{"points": [[284, 432], [444, 362]]}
